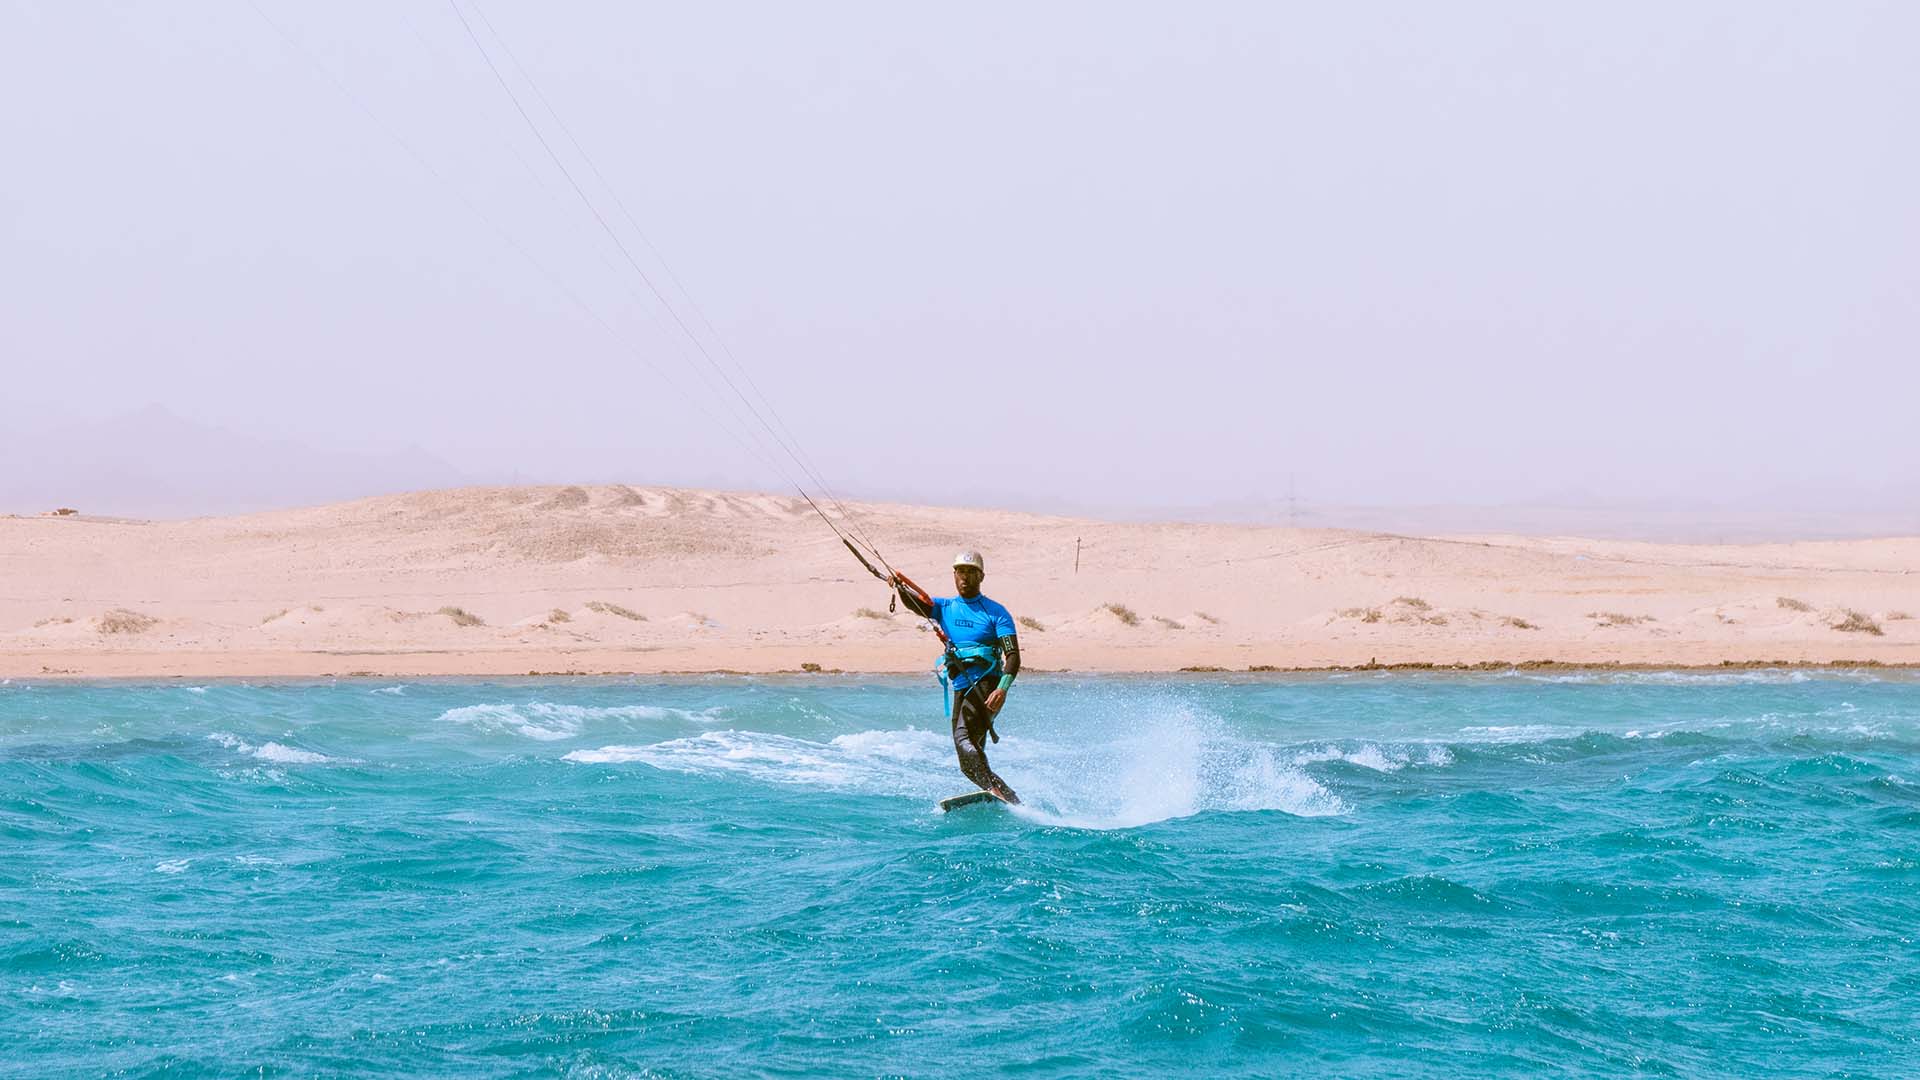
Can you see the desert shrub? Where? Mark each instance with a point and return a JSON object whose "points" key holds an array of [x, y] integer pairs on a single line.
{"points": [[559, 615], [811, 669], [1518, 623], [1031, 624], [1857, 622], [1364, 614], [1206, 618], [461, 616], [1413, 602], [869, 613], [1615, 618], [1124, 614], [122, 621], [605, 608], [1897, 616], [1790, 604], [1170, 624]]}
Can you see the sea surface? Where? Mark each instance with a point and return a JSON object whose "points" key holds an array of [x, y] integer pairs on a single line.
{"points": [[1374, 874]]}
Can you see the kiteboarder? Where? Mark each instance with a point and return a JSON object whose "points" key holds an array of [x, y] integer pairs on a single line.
{"points": [[981, 658]]}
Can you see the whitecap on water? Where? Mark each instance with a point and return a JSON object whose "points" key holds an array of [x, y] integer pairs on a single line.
{"points": [[277, 753], [1745, 677], [548, 722], [884, 762], [287, 755], [1379, 758]]}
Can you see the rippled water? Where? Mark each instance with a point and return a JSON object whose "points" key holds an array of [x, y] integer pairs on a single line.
{"points": [[1692, 875]]}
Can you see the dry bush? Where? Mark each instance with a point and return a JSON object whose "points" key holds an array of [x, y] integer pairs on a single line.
{"points": [[605, 608], [1206, 618], [65, 511], [53, 620], [1364, 614], [811, 669], [276, 615], [122, 621], [1518, 623], [559, 615], [1031, 624], [869, 613], [1168, 623], [1413, 602], [1857, 622], [1790, 604], [1615, 618], [1896, 616], [1124, 614], [461, 616]]}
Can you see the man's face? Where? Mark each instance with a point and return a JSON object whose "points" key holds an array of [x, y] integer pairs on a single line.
{"points": [[966, 581]]}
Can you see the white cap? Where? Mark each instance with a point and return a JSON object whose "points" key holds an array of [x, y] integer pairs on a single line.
{"points": [[970, 558]]}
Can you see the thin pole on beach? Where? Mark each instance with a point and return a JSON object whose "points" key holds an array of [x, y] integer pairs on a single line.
{"points": [[1076, 555]]}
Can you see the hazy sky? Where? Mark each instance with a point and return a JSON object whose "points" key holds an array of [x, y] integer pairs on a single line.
{"points": [[1118, 254]]}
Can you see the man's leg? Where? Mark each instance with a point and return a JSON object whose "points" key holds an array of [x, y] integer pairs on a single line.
{"points": [[971, 718]]}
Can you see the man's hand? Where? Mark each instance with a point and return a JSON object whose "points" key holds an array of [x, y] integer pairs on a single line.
{"points": [[996, 699]]}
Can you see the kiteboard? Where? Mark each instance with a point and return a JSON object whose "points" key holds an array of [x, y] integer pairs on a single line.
{"points": [[968, 799]]}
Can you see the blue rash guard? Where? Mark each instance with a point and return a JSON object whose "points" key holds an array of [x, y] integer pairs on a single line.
{"points": [[978, 621]]}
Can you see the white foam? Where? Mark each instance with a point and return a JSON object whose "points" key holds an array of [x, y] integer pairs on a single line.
{"points": [[1753, 677], [1180, 761], [890, 762], [1515, 733], [277, 753], [389, 690], [1385, 759], [1166, 769], [172, 866], [1372, 757], [287, 755], [548, 722]]}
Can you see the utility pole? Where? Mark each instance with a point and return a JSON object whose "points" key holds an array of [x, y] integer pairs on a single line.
{"points": [[1076, 555]]}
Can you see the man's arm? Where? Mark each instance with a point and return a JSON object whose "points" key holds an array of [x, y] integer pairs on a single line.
{"points": [[911, 595], [1009, 644]]}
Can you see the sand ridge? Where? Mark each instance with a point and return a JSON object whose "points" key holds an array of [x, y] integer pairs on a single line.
{"points": [[510, 580]]}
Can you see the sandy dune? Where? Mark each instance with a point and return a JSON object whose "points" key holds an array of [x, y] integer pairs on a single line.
{"points": [[619, 579]]}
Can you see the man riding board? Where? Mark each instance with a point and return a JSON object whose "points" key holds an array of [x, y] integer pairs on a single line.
{"points": [[982, 657]]}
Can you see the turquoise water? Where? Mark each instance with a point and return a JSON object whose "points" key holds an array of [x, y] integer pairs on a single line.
{"points": [[1604, 875]]}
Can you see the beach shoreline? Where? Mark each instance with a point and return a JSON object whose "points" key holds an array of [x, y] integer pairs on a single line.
{"points": [[160, 666]]}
